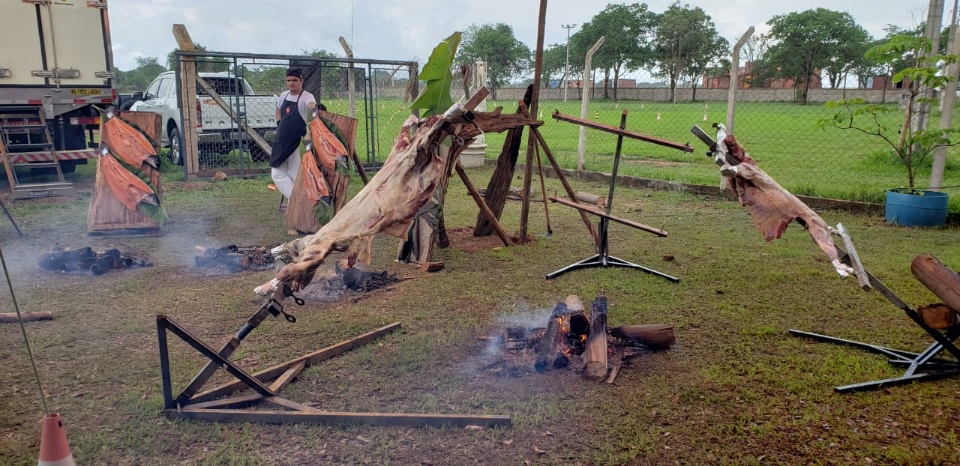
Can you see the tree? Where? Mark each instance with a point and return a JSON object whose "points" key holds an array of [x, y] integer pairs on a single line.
{"points": [[627, 30], [506, 57], [554, 59], [140, 77], [209, 64], [911, 143], [685, 43], [807, 42]]}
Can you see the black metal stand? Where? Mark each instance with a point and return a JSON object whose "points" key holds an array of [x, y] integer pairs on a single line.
{"points": [[217, 404], [921, 366], [603, 257]]}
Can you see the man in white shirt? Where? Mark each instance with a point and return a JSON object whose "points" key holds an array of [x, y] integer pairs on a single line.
{"points": [[292, 108]]}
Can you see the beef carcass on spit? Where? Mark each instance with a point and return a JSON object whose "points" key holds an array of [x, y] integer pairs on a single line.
{"points": [[387, 204], [771, 206]]}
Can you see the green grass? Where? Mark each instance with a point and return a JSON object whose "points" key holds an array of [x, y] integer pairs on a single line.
{"points": [[782, 137], [735, 389]]}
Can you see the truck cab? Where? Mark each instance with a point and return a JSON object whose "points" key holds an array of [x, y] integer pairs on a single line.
{"points": [[217, 132]]}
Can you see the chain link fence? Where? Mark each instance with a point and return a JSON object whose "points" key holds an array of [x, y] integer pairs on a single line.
{"points": [[782, 135], [243, 101]]}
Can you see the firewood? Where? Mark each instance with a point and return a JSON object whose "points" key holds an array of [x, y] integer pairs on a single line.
{"points": [[545, 350], [591, 199], [595, 355], [613, 373], [939, 279], [431, 266], [654, 336], [8, 317], [938, 316]]}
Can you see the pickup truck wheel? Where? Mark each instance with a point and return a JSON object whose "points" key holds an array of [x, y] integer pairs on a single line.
{"points": [[175, 155]]}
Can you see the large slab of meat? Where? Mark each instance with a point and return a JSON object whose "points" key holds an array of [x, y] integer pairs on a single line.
{"points": [[387, 204], [771, 206]]}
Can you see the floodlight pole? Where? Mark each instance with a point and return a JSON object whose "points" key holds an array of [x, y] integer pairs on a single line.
{"points": [[566, 65]]}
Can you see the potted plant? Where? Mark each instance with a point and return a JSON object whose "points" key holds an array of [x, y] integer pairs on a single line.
{"points": [[910, 140]]}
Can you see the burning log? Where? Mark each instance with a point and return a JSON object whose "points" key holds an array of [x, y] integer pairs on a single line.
{"points": [[595, 355], [653, 336], [565, 335]]}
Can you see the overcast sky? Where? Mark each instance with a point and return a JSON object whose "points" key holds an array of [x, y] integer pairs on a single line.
{"points": [[408, 30]]}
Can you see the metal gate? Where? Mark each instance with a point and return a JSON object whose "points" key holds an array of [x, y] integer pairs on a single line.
{"points": [[234, 121]]}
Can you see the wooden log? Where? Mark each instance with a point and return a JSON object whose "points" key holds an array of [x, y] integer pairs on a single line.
{"points": [[938, 316], [498, 188], [595, 354], [613, 373], [943, 282], [592, 199], [546, 350], [8, 317], [654, 336]]}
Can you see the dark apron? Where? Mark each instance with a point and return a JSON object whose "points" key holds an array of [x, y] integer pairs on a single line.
{"points": [[291, 130]]}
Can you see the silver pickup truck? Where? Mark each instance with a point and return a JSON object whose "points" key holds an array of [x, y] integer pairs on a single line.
{"points": [[216, 132]]}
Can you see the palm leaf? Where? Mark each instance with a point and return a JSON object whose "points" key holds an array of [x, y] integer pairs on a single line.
{"points": [[435, 98]]}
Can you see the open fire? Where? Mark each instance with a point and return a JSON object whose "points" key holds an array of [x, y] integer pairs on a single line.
{"points": [[234, 259], [580, 340]]}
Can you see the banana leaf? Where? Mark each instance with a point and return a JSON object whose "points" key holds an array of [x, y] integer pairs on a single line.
{"points": [[435, 97]]}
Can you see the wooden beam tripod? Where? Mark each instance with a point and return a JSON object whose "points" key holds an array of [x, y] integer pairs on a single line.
{"points": [[922, 366], [211, 405], [603, 257]]}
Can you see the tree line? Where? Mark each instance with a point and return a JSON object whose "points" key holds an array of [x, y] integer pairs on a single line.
{"points": [[679, 45]]}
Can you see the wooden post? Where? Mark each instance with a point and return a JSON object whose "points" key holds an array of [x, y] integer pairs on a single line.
{"points": [[655, 336], [734, 75], [942, 281], [188, 101], [484, 209], [531, 141], [585, 101], [7, 317], [595, 355]]}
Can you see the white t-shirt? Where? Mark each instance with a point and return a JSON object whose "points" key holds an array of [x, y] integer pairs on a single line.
{"points": [[305, 98]]}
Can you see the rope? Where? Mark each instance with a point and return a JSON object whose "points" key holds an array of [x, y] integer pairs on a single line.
{"points": [[33, 364]]}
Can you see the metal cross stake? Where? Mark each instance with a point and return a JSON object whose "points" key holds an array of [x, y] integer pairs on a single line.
{"points": [[603, 257]]}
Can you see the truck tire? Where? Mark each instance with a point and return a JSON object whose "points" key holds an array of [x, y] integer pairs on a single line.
{"points": [[175, 156]]}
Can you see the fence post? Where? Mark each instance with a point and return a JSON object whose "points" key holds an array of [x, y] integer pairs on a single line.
{"points": [[188, 101], [734, 78], [585, 101]]}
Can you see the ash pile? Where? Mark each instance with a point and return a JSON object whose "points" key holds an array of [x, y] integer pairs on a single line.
{"points": [[348, 278], [234, 259], [86, 260]]}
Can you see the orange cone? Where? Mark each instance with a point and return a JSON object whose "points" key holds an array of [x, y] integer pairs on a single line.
{"points": [[54, 450]]}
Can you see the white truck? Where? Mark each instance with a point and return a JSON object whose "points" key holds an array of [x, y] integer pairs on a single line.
{"points": [[217, 132], [56, 65]]}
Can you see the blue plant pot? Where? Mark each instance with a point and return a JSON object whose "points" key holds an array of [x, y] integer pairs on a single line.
{"points": [[928, 209]]}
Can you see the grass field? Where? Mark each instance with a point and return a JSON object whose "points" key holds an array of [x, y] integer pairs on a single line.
{"points": [[782, 137], [736, 388]]}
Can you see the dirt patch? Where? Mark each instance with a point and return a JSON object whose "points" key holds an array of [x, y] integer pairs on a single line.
{"points": [[462, 238]]}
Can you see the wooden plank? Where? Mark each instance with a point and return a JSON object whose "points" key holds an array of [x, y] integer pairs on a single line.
{"points": [[317, 356], [593, 210], [233, 116], [484, 208], [287, 376], [626, 133], [188, 101], [340, 418], [7, 317], [235, 402]]}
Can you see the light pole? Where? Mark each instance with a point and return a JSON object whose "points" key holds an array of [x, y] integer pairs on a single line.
{"points": [[566, 65]]}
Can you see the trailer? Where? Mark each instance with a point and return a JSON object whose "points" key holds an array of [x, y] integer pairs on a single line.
{"points": [[50, 82]]}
